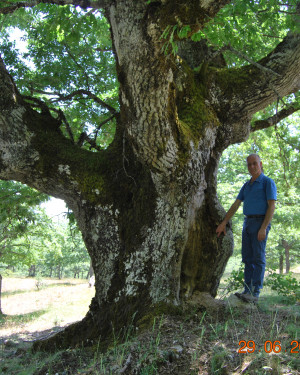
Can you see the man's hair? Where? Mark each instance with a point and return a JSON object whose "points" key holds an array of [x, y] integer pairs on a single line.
{"points": [[259, 159], [254, 155]]}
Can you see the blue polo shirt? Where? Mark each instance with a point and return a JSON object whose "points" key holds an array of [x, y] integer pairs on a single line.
{"points": [[255, 195]]}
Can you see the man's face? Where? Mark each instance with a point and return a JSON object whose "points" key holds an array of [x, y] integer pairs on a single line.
{"points": [[254, 166]]}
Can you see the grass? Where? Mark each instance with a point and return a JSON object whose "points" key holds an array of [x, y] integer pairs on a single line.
{"points": [[192, 344]]}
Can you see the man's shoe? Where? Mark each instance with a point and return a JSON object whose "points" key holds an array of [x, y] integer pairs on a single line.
{"points": [[249, 298], [239, 295]]}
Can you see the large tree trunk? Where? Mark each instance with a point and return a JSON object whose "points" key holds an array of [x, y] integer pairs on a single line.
{"points": [[147, 206]]}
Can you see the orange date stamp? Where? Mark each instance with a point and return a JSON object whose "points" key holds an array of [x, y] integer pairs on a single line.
{"points": [[269, 346]]}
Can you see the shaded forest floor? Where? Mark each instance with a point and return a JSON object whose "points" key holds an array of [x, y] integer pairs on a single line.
{"points": [[191, 343]]}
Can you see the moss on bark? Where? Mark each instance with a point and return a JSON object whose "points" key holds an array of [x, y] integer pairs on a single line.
{"points": [[194, 112]]}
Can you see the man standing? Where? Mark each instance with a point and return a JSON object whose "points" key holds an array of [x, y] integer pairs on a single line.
{"points": [[259, 196]]}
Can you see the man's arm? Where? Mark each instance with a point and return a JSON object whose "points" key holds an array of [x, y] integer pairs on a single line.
{"points": [[232, 210], [269, 215]]}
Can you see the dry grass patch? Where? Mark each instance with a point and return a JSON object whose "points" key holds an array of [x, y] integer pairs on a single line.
{"points": [[13, 284], [29, 310]]}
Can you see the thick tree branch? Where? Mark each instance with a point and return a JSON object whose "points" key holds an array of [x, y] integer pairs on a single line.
{"points": [[247, 90], [42, 105], [12, 7], [245, 57], [35, 152], [275, 119], [38, 103]]}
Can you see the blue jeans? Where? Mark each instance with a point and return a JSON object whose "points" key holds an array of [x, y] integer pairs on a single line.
{"points": [[253, 254]]}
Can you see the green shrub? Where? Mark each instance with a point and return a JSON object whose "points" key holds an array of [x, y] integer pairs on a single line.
{"points": [[7, 273], [284, 284], [236, 279]]}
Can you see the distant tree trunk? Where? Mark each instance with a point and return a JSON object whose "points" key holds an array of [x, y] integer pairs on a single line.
{"points": [[32, 271], [0, 293], [281, 264], [90, 271], [287, 260], [60, 272], [287, 248], [77, 274]]}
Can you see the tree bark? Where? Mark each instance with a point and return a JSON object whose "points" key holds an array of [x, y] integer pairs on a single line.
{"points": [[147, 206], [281, 264], [287, 260]]}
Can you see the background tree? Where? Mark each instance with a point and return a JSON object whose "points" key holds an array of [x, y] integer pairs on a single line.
{"points": [[146, 205], [18, 218], [31, 240], [65, 254]]}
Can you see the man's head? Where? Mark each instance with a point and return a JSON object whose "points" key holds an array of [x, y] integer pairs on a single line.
{"points": [[254, 165]]}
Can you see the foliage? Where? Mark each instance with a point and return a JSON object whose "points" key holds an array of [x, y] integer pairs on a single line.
{"points": [[65, 253], [286, 285], [65, 60], [236, 280], [251, 27]]}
